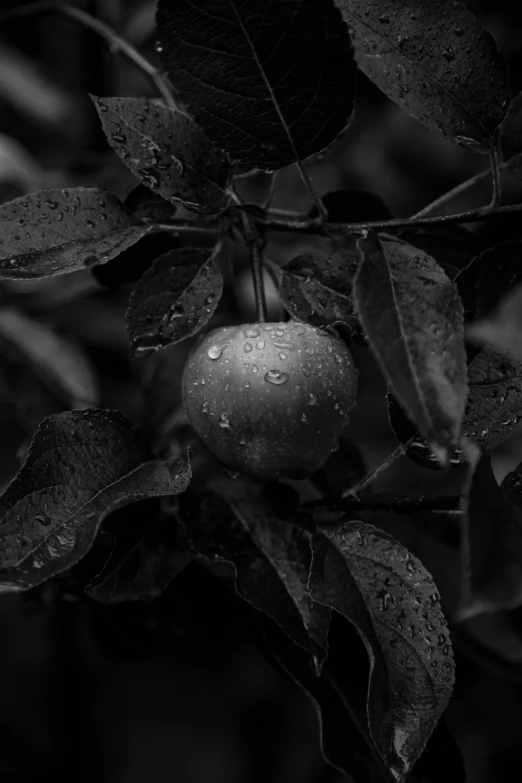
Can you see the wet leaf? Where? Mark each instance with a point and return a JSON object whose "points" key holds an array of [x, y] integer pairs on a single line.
{"points": [[418, 450], [352, 205], [240, 523], [494, 408], [511, 129], [491, 539], [452, 247], [147, 205], [503, 329], [485, 280], [174, 299], [275, 84], [141, 571], [167, 151], [132, 264], [345, 741], [412, 316], [387, 594], [57, 360], [316, 286], [51, 232], [80, 466], [433, 59]]}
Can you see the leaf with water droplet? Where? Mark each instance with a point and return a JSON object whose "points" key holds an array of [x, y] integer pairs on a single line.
{"points": [[113, 467], [277, 83], [316, 286], [169, 303], [413, 318], [168, 152], [386, 593], [438, 63], [32, 246], [262, 534]]}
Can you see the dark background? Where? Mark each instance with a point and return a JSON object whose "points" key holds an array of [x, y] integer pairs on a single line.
{"points": [[177, 690]]}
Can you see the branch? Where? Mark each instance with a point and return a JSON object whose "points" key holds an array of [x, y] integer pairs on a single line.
{"points": [[392, 503], [495, 174], [115, 41], [313, 226]]}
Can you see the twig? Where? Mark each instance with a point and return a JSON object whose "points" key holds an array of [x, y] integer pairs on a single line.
{"points": [[453, 193], [115, 41], [370, 478], [271, 191], [310, 185], [495, 174], [395, 504], [312, 227]]}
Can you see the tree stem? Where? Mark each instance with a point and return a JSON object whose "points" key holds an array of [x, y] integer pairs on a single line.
{"points": [[115, 41], [401, 449]]}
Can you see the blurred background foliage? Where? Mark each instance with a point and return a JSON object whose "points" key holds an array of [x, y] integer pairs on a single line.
{"points": [[177, 690]]}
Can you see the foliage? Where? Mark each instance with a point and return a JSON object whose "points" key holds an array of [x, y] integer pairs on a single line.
{"points": [[247, 90]]}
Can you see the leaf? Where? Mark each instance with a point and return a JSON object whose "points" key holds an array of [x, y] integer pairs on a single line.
{"points": [[452, 247], [132, 264], [80, 466], [352, 205], [142, 570], [51, 232], [167, 151], [55, 359], [174, 299], [485, 280], [418, 451], [345, 742], [511, 129], [147, 205], [412, 316], [494, 409], [316, 286], [268, 82], [387, 594], [491, 540], [433, 59], [503, 329], [240, 523]]}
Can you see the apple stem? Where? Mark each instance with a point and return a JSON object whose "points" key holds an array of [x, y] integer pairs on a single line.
{"points": [[256, 261], [256, 245]]}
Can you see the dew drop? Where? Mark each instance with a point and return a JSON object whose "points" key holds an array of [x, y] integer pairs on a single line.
{"points": [[282, 355], [251, 332], [276, 377], [254, 368], [312, 399], [224, 421], [242, 440], [260, 345], [303, 417], [279, 333], [204, 407], [216, 350], [247, 384], [248, 347]]}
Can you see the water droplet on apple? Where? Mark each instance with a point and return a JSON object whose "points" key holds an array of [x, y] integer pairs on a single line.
{"points": [[251, 332], [204, 407], [279, 333], [254, 368], [260, 345], [216, 350], [224, 421], [242, 440], [248, 347], [312, 400], [282, 355], [276, 377], [247, 384], [303, 417]]}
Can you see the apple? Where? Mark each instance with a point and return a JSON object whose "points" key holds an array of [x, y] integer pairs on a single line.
{"points": [[270, 399]]}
